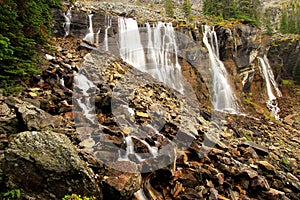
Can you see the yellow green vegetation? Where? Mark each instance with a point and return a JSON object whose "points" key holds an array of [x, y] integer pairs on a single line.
{"points": [[290, 18], [266, 112], [78, 197], [284, 161], [247, 137], [287, 82]]}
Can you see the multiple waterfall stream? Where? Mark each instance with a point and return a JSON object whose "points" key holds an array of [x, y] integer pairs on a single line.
{"points": [[158, 57], [270, 81], [155, 52], [108, 23], [91, 36]]}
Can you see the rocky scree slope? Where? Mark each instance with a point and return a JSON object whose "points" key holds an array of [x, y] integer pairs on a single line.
{"points": [[254, 158]]}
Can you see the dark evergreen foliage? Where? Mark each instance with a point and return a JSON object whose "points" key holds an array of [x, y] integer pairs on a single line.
{"points": [[243, 10], [290, 18], [23, 24]]}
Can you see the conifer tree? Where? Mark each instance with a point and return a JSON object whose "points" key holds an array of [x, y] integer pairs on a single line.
{"points": [[187, 8], [244, 10], [169, 8], [21, 24]]}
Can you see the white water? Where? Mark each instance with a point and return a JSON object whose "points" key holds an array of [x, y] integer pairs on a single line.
{"points": [[270, 81], [130, 149], [90, 36], [68, 18], [131, 49], [108, 23], [82, 84], [223, 96], [158, 57], [162, 55]]}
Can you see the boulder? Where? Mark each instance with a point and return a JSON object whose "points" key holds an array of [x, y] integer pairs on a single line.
{"points": [[46, 165], [33, 118]]}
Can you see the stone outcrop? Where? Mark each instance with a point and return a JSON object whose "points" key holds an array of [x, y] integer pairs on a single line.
{"points": [[46, 165], [284, 56]]}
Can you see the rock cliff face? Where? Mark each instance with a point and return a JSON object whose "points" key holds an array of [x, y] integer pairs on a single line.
{"points": [[239, 47], [284, 56]]}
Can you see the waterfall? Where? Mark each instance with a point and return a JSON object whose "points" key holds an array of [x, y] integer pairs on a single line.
{"points": [[89, 37], [158, 57], [131, 151], [162, 55], [131, 49], [223, 96], [108, 23], [83, 85], [270, 81], [68, 18]]}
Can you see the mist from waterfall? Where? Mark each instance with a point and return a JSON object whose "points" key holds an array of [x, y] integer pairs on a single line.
{"points": [[270, 81], [223, 97], [158, 56]]}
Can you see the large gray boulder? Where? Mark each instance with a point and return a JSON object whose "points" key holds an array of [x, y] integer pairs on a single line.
{"points": [[46, 165]]}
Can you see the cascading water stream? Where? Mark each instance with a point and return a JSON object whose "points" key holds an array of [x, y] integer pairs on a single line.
{"points": [[158, 58], [270, 81], [108, 23], [223, 96], [162, 55], [83, 85], [90, 36], [131, 49], [68, 18]]}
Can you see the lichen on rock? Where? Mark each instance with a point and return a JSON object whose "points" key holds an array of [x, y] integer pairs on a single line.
{"points": [[46, 165]]}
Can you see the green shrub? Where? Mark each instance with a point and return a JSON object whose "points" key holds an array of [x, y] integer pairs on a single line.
{"points": [[284, 161], [11, 194], [187, 8], [245, 10]]}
